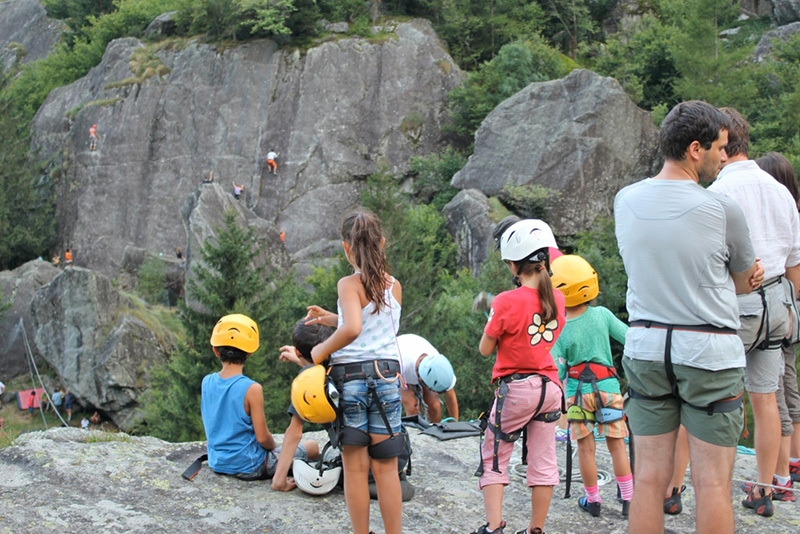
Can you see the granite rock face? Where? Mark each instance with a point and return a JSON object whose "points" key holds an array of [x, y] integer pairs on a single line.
{"points": [[86, 330], [581, 137], [26, 32], [782, 33], [69, 481], [335, 114], [17, 288]]}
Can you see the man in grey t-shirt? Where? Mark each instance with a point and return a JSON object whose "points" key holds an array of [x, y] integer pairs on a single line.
{"points": [[687, 254]]}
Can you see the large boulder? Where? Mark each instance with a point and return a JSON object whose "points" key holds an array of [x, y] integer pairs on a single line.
{"points": [[203, 215], [17, 289], [782, 33], [581, 137], [69, 481], [469, 221], [26, 33], [336, 113], [785, 11], [89, 333]]}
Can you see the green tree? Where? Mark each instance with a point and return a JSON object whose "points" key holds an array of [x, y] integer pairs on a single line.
{"points": [[227, 279], [27, 226], [516, 66], [432, 176]]}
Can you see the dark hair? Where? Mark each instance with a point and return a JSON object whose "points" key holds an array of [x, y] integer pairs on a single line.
{"points": [[544, 287], [363, 232], [687, 122], [501, 227], [780, 169], [738, 133], [307, 336], [232, 355]]}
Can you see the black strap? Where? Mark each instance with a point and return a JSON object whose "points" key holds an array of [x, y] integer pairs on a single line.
{"points": [[193, 469], [500, 395]]}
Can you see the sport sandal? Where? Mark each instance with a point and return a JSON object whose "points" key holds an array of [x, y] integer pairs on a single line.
{"points": [[535, 530], [672, 505], [484, 529], [762, 504], [592, 507]]}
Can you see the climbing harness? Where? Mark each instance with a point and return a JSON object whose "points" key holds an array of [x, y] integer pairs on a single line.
{"points": [[588, 372], [397, 444], [763, 328], [720, 406], [499, 434]]}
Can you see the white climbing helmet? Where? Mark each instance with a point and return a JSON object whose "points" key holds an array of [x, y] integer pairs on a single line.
{"points": [[524, 238], [314, 479]]}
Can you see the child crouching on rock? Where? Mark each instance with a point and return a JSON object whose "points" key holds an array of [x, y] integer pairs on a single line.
{"points": [[232, 407]]}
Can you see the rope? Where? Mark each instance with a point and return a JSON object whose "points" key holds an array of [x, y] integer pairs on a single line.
{"points": [[32, 367]]}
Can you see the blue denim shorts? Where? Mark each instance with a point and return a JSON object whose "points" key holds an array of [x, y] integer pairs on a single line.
{"points": [[361, 409]]}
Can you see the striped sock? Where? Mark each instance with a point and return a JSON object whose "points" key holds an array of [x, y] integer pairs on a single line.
{"points": [[593, 493], [626, 486]]}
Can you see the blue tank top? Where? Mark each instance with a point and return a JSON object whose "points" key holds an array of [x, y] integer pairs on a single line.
{"points": [[232, 444]]}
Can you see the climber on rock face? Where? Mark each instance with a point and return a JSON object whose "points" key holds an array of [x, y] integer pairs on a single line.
{"points": [[237, 190], [272, 167], [93, 137]]}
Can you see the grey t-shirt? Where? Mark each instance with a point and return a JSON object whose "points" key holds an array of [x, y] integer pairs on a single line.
{"points": [[678, 242]]}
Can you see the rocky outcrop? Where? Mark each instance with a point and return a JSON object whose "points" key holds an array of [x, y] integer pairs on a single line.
{"points": [[469, 222], [17, 289], [204, 215], [26, 33], [581, 137], [785, 11], [99, 346], [73, 481], [764, 46], [336, 113]]}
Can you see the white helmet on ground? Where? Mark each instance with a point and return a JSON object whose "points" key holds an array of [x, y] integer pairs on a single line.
{"points": [[315, 479], [524, 238]]}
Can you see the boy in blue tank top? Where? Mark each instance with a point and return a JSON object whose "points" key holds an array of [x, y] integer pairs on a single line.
{"points": [[232, 407]]}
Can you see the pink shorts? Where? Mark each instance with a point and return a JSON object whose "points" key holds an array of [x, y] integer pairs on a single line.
{"points": [[520, 404]]}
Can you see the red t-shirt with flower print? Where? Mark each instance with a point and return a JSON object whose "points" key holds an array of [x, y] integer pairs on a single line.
{"points": [[523, 339]]}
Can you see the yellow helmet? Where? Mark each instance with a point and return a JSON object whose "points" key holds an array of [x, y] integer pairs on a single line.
{"points": [[575, 278], [314, 396], [238, 331]]}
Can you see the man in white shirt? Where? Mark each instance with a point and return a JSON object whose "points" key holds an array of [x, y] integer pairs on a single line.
{"points": [[772, 218], [427, 374]]}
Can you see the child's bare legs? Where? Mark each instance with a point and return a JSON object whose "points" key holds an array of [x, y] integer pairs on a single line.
{"points": [[390, 496], [355, 461], [540, 505], [312, 448], [493, 504], [681, 461], [588, 466], [619, 457]]}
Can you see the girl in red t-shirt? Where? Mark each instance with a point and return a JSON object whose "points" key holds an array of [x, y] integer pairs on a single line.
{"points": [[523, 325]]}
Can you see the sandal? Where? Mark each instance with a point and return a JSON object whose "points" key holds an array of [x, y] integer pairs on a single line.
{"points": [[672, 505], [536, 530], [484, 529]]}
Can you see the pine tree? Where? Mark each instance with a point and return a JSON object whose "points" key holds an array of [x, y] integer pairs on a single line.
{"points": [[227, 279]]}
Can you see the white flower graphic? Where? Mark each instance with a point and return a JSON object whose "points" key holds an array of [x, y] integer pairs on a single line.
{"points": [[541, 332]]}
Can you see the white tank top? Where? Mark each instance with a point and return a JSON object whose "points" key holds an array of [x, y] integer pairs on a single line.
{"points": [[377, 340]]}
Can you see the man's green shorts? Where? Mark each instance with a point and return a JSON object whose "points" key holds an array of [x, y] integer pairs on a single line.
{"points": [[695, 386]]}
